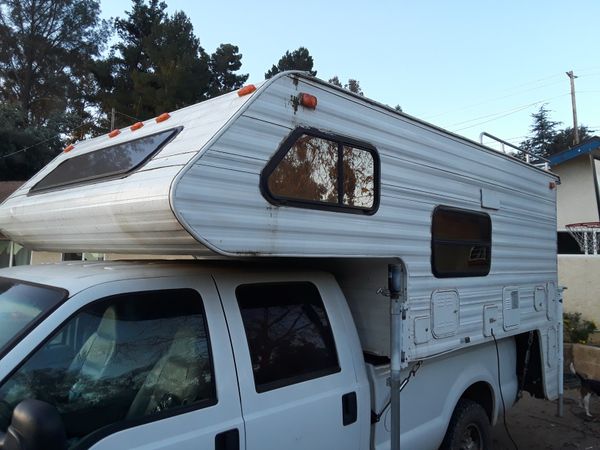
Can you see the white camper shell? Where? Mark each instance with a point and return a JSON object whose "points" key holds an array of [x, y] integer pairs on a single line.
{"points": [[309, 174], [200, 194]]}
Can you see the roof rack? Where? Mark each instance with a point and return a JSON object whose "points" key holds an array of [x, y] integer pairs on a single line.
{"points": [[528, 154]]}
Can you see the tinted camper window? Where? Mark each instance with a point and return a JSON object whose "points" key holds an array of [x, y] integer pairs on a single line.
{"points": [[461, 243], [106, 162], [321, 171]]}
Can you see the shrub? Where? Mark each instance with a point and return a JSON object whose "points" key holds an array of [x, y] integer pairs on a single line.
{"points": [[576, 329]]}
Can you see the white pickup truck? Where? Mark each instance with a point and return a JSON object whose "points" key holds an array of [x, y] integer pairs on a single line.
{"points": [[325, 196], [219, 355]]}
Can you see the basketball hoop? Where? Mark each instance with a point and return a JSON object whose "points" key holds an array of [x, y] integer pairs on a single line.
{"points": [[587, 235]]}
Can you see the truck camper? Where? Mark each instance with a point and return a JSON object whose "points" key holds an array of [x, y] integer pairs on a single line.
{"points": [[362, 280]]}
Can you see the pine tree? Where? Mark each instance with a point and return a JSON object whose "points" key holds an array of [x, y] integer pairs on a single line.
{"points": [[224, 62], [157, 65], [299, 59], [565, 139], [543, 132]]}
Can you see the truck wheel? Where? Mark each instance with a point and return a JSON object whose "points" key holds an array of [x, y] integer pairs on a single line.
{"points": [[469, 428]]}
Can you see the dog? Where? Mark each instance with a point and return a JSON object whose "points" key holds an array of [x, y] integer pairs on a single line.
{"points": [[588, 387]]}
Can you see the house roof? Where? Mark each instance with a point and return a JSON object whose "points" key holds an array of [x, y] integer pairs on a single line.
{"points": [[584, 148], [8, 187]]}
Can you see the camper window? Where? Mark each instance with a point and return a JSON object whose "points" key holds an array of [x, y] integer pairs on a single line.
{"points": [[317, 170], [108, 162], [461, 243], [288, 332]]}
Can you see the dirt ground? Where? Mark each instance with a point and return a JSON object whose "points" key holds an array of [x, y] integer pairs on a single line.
{"points": [[534, 425]]}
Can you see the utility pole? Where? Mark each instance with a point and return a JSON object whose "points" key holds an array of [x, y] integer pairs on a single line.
{"points": [[574, 104], [112, 119]]}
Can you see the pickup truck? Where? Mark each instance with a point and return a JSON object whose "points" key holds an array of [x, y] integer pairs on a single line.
{"points": [[222, 355]]}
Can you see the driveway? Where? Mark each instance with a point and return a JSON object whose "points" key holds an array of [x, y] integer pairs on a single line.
{"points": [[534, 425]]}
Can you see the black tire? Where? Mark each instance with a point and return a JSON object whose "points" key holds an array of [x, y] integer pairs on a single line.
{"points": [[469, 428]]}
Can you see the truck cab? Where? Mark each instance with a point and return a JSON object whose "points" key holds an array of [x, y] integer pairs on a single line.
{"points": [[184, 356]]}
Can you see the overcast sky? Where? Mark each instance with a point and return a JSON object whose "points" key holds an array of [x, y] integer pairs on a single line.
{"points": [[465, 65]]}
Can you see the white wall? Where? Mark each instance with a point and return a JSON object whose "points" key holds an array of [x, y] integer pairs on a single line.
{"points": [[579, 273], [576, 195]]}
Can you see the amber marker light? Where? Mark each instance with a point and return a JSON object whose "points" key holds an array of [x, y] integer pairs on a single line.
{"points": [[163, 117], [552, 185], [114, 133], [246, 90], [307, 100], [136, 126], [68, 148]]}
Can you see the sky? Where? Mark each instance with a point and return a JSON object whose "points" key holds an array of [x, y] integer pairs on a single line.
{"points": [[466, 66]]}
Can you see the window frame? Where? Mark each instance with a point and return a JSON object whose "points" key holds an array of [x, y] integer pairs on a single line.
{"points": [[115, 427], [470, 212], [35, 190], [342, 141], [293, 380]]}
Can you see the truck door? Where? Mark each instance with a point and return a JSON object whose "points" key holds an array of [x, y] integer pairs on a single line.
{"points": [[138, 365], [297, 382]]}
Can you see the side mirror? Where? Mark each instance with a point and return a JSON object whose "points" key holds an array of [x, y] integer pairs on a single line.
{"points": [[35, 425]]}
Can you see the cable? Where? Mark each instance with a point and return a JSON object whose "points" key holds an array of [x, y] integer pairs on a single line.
{"points": [[512, 94], [501, 394], [510, 112], [45, 140], [127, 115]]}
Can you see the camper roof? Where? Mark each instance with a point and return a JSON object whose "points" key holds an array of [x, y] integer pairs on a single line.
{"points": [[198, 182]]}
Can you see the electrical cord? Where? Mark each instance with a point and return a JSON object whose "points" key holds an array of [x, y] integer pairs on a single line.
{"points": [[502, 395]]}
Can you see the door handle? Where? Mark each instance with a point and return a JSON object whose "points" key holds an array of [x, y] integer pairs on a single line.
{"points": [[228, 440], [349, 409]]}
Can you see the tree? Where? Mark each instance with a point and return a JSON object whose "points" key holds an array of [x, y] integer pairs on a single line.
{"points": [[565, 139], [543, 132], [299, 59], [26, 149], [47, 49], [546, 140], [352, 85], [224, 62], [158, 64]]}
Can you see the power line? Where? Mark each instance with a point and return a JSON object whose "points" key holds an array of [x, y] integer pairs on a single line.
{"points": [[493, 99], [43, 141], [127, 115], [510, 112], [512, 94]]}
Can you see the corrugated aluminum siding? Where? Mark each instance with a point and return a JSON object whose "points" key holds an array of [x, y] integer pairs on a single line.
{"points": [[219, 201], [125, 215]]}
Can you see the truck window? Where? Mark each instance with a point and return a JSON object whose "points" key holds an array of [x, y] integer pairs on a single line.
{"points": [[461, 243], [126, 359], [21, 305], [316, 170], [106, 162], [288, 332]]}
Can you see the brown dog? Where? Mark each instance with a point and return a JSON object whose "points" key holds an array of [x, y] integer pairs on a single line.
{"points": [[588, 387]]}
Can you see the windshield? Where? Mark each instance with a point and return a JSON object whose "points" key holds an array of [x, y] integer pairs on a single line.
{"points": [[21, 305]]}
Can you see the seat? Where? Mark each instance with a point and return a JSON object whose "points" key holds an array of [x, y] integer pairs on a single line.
{"points": [[93, 361], [176, 379]]}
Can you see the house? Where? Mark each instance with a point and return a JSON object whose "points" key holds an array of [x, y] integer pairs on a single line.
{"points": [[578, 200]]}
